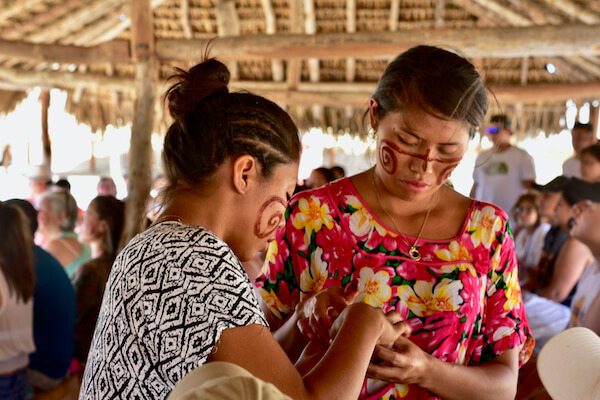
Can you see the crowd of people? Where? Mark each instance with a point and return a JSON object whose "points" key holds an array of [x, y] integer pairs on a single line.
{"points": [[386, 284]]}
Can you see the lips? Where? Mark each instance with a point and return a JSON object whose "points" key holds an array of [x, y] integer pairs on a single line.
{"points": [[415, 186]]}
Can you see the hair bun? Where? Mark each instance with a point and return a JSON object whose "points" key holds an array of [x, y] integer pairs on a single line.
{"points": [[201, 83]]}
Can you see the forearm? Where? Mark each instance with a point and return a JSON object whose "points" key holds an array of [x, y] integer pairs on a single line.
{"points": [[341, 371], [490, 381], [290, 338]]}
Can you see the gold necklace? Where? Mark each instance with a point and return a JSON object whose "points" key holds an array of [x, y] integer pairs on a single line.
{"points": [[413, 252]]}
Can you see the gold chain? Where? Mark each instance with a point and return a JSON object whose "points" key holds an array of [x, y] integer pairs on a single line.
{"points": [[413, 252]]}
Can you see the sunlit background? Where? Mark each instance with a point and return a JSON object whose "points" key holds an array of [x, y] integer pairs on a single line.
{"points": [[73, 145]]}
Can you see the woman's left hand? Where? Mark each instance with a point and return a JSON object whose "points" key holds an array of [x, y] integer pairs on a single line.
{"points": [[404, 363]]}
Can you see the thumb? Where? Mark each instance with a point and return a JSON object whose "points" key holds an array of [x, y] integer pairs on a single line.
{"points": [[351, 291]]}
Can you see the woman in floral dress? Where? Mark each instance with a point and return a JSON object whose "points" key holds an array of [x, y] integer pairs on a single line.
{"points": [[445, 262]]}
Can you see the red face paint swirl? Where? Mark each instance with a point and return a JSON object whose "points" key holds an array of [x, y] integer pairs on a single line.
{"points": [[388, 148], [270, 215]]}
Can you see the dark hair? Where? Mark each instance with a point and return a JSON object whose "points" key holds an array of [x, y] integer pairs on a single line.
{"points": [[502, 120], [112, 211], [63, 184], [338, 171], [593, 150], [534, 199], [327, 173], [16, 254], [212, 125], [585, 127], [438, 81], [29, 211]]}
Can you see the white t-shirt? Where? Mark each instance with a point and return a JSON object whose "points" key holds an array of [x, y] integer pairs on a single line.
{"points": [[588, 287], [572, 167], [499, 176], [171, 293], [16, 330]]}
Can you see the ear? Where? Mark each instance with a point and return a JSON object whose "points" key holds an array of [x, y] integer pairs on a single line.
{"points": [[102, 227], [244, 173], [373, 113]]}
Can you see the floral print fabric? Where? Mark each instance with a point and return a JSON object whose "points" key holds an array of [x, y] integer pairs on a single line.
{"points": [[462, 299]]}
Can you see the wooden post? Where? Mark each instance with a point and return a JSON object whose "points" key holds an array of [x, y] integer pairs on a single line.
{"points": [[46, 144], [140, 154]]}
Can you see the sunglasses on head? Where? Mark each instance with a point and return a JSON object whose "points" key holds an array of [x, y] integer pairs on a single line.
{"points": [[492, 129]]}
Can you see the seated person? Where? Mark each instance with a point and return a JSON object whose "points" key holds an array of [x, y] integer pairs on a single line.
{"points": [[529, 233], [53, 314], [57, 218]]}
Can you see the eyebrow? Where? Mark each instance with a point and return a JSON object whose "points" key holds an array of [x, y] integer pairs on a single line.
{"points": [[408, 130]]}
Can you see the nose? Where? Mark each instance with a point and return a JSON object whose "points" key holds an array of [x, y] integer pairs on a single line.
{"points": [[421, 163]]}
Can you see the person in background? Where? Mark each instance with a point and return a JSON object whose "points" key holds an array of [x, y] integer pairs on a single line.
{"points": [[57, 217], [53, 314], [100, 228], [40, 180], [106, 187], [318, 177], [444, 261], [590, 163], [178, 292], [504, 172], [582, 136], [530, 233], [585, 307], [338, 172], [17, 281]]}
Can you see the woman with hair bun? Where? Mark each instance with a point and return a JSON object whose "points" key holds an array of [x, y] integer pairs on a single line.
{"points": [[178, 297], [445, 262]]}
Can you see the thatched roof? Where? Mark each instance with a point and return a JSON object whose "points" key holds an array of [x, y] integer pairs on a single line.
{"points": [[318, 58]]}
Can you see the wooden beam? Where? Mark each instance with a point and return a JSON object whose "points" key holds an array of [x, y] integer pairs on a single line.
{"points": [[394, 15], [484, 17], [350, 28], [115, 51], [228, 25], [538, 14], [564, 40], [326, 93], [440, 6], [310, 28], [296, 23], [270, 29]]}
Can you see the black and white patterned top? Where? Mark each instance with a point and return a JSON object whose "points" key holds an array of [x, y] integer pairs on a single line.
{"points": [[171, 293]]}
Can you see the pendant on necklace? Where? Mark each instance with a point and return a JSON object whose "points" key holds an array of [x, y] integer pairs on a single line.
{"points": [[414, 254]]}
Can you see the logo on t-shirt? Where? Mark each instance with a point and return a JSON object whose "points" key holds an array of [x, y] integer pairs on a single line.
{"points": [[496, 168]]}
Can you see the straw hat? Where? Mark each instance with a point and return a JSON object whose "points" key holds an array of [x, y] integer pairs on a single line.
{"points": [[569, 365], [38, 173], [223, 381]]}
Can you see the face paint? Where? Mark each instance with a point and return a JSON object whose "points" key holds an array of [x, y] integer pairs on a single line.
{"points": [[389, 160], [270, 216]]}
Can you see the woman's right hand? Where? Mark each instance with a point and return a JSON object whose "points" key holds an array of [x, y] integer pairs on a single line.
{"points": [[391, 324], [317, 313]]}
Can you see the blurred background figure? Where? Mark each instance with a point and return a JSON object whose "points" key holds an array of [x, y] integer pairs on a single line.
{"points": [[106, 187], [582, 136], [100, 228], [319, 177], [56, 219], [529, 233], [154, 202], [53, 314], [40, 180], [17, 282], [590, 163], [338, 172]]}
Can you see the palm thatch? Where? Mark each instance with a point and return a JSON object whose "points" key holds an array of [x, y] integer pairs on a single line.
{"points": [[318, 58]]}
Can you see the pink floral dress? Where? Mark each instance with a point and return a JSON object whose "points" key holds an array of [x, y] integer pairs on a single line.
{"points": [[462, 299]]}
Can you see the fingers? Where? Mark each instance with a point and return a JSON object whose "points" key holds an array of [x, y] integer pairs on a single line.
{"points": [[351, 291]]}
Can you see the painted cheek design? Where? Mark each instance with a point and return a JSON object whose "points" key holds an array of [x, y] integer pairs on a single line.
{"points": [[387, 157], [270, 215]]}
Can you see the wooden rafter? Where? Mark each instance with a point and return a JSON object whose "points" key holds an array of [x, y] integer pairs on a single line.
{"points": [[575, 11], [41, 19], [296, 24], [394, 15], [228, 25], [504, 12], [350, 28], [17, 7], [484, 17], [116, 51], [89, 35], [271, 28], [440, 6], [185, 19], [538, 15], [310, 28]]}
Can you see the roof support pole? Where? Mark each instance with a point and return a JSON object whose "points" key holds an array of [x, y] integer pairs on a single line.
{"points": [[146, 83]]}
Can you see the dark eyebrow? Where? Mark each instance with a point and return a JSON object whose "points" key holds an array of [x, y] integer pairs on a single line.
{"points": [[408, 130]]}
